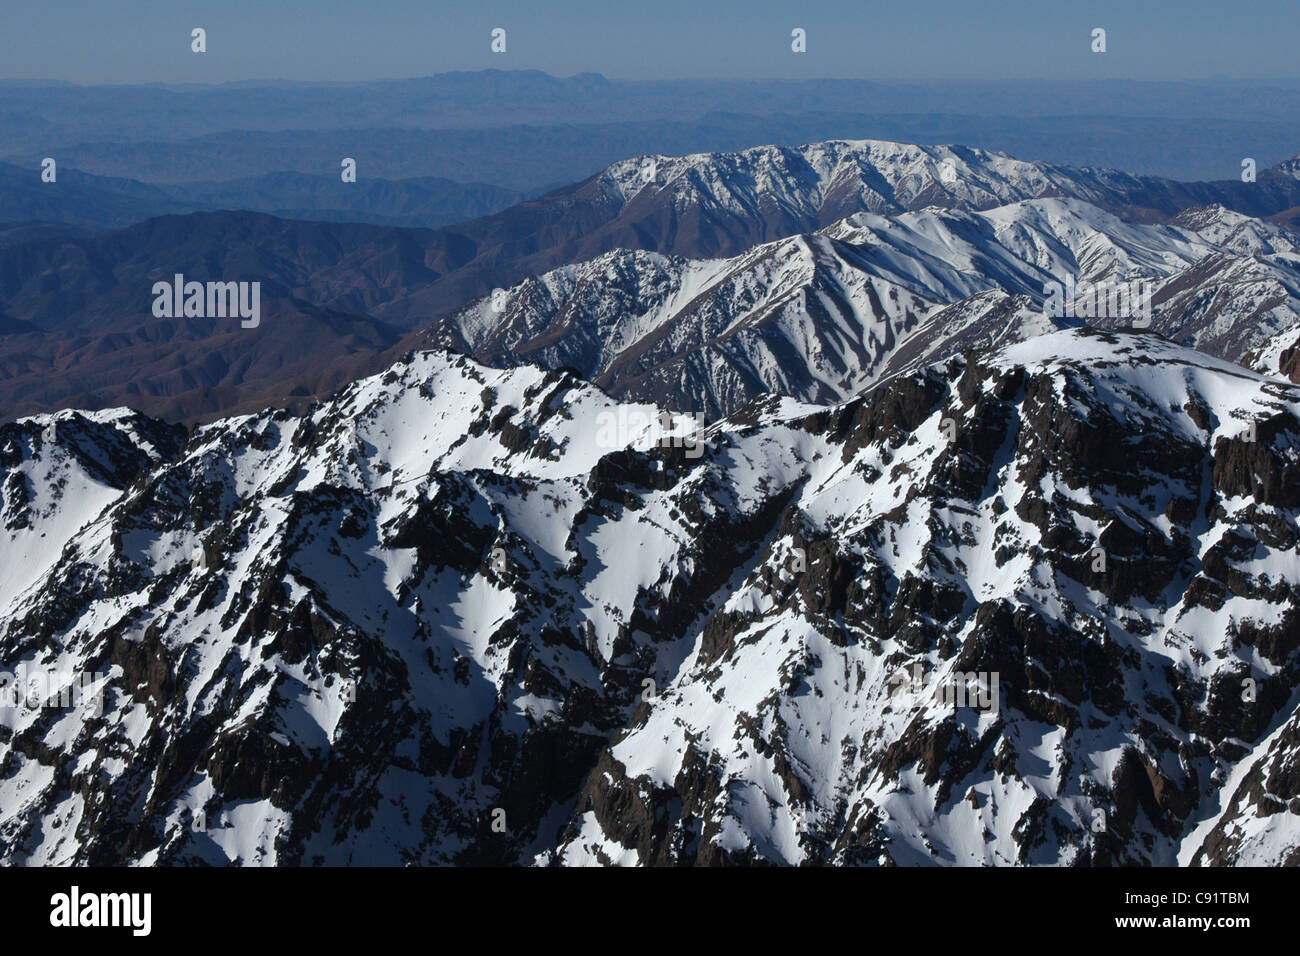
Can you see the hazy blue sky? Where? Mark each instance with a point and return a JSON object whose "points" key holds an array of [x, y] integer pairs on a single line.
{"points": [[137, 41]]}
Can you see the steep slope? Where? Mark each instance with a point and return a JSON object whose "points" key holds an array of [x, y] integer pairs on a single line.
{"points": [[458, 614], [1100, 541], [1221, 282], [60, 474], [802, 317], [1020, 246], [1229, 306], [820, 317]]}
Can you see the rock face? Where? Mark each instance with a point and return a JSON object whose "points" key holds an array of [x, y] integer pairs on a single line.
{"points": [[1033, 605]]}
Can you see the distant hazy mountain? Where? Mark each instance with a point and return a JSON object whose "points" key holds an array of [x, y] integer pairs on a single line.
{"points": [[427, 201], [533, 159], [527, 131], [78, 198], [499, 97]]}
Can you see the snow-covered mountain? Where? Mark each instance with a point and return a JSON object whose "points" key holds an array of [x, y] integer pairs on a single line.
{"points": [[822, 316], [803, 317], [824, 182], [60, 474], [458, 614], [336, 297], [788, 189]]}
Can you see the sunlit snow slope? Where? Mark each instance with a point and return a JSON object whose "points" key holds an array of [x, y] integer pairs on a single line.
{"points": [[449, 616], [822, 316]]}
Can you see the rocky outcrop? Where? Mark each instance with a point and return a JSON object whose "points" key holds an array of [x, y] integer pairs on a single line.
{"points": [[1028, 606]]}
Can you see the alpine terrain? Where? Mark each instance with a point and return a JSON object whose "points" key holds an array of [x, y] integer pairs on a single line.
{"points": [[696, 281], [1031, 604], [822, 316]]}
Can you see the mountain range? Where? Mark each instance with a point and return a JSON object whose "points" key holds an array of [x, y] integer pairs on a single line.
{"points": [[822, 316], [528, 131], [857, 281], [736, 508], [448, 617], [76, 198]]}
